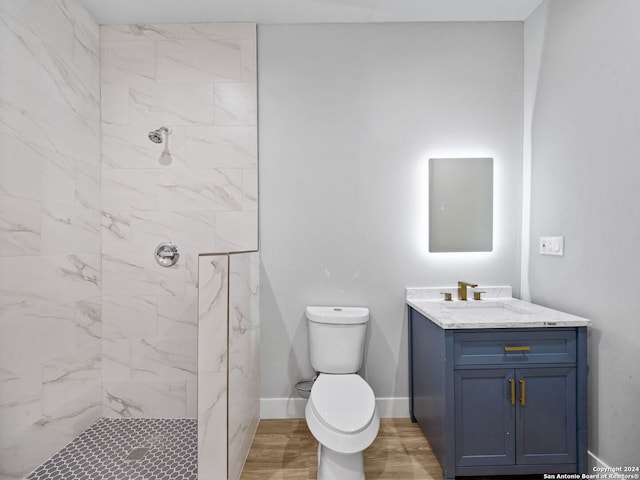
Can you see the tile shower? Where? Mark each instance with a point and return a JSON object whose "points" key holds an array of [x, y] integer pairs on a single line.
{"points": [[90, 325]]}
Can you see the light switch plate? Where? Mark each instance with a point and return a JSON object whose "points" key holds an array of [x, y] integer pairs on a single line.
{"points": [[552, 246]]}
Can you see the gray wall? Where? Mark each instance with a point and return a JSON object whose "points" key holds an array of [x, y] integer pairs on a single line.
{"points": [[585, 178], [349, 115]]}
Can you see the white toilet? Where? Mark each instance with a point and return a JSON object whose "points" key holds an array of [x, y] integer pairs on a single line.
{"points": [[341, 410]]}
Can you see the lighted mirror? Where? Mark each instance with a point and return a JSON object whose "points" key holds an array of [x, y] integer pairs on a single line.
{"points": [[460, 204]]}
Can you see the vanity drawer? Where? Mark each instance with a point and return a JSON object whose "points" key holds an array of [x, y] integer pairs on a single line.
{"points": [[515, 347]]}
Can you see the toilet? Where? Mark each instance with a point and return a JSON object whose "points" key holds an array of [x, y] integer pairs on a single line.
{"points": [[341, 411]]}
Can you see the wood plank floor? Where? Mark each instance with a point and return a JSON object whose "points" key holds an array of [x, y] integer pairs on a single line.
{"points": [[286, 450]]}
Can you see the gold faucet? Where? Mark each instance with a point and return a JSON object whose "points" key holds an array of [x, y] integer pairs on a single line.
{"points": [[462, 289]]}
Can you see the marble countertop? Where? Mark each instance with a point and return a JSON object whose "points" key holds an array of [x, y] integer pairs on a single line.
{"points": [[497, 309]]}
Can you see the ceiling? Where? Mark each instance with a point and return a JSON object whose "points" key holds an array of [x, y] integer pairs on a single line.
{"points": [[307, 11]]}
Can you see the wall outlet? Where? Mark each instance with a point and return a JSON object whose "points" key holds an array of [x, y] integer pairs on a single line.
{"points": [[552, 246]]}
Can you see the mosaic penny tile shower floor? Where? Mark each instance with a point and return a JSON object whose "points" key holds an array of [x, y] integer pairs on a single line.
{"points": [[127, 449]]}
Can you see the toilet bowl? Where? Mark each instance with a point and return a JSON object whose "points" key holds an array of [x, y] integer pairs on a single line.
{"points": [[341, 410], [341, 414]]}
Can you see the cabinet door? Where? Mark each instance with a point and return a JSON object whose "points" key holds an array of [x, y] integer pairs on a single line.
{"points": [[485, 417], [546, 415]]}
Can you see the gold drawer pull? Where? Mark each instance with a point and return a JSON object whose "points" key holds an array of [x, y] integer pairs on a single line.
{"points": [[524, 348]]}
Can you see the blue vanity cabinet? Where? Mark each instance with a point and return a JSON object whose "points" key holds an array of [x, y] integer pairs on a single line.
{"points": [[496, 425], [491, 410]]}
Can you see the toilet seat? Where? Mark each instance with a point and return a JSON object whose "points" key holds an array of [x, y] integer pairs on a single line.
{"points": [[344, 403], [341, 412]]}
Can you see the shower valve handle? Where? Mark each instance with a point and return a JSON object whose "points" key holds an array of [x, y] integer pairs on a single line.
{"points": [[167, 254]]}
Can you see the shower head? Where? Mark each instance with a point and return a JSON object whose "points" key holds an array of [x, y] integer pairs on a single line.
{"points": [[156, 135]]}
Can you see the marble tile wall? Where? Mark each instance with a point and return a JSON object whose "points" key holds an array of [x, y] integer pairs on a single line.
{"points": [[199, 80], [213, 308], [228, 363], [50, 268], [244, 358]]}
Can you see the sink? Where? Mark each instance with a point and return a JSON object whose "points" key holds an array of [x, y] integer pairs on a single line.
{"points": [[492, 309], [497, 309]]}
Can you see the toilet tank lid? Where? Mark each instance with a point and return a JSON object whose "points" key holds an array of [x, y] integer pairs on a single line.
{"points": [[338, 315]]}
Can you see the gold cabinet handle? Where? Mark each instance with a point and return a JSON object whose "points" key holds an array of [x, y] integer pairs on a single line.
{"points": [[523, 348], [523, 392], [512, 383]]}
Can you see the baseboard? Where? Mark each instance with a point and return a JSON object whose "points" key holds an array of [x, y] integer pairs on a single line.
{"points": [[388, 407], [597, 466], [282, 407], [393, 407]]}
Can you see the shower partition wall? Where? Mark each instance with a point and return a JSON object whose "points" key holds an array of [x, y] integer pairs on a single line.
{"points": [[228, 363]]}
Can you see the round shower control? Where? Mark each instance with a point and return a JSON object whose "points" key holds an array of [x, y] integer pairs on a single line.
{"points": [[167, 254]]}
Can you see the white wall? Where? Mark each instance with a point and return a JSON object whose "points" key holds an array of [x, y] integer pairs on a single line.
{"points": [[349, 115], [50, 274], [534, 29], [585, 177]]}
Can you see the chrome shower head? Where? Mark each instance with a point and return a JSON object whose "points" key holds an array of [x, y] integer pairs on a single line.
{"points": [[156, 135]]}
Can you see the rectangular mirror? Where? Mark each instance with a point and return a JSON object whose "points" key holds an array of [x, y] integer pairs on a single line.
{"points": [[460, 204]]}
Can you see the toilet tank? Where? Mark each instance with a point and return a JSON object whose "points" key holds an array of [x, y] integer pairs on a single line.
{"points": [[336, 338]]}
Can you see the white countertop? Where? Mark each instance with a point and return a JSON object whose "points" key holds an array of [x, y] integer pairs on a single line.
{"points": [[497, 309]]}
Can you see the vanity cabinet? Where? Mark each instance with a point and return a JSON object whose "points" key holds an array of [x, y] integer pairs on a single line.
{"points": [[500, 401], [494, 425]]}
